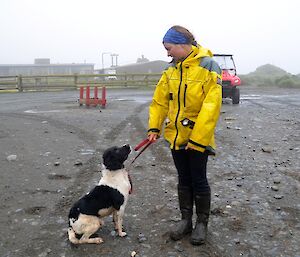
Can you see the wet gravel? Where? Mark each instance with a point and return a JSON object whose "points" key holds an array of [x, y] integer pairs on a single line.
{"points": [[51, 151]]}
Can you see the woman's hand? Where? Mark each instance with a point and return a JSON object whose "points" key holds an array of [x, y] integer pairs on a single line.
{"points": [[152, 137]]}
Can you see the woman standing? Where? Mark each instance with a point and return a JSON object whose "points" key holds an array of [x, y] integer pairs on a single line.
{"points": [[188, 100]]}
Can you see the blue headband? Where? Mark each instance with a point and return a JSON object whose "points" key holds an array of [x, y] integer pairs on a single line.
{"points": [[174, 37]]}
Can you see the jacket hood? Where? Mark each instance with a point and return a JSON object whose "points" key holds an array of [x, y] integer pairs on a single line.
{"points": [[201, 51], [196, 53]]}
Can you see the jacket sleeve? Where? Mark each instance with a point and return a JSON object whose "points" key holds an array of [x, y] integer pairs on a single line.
{"points": [[158, 109], [208, 116]]}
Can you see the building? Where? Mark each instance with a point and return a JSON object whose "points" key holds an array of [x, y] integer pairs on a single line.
{"points": [[42, 66], [143, 67]]}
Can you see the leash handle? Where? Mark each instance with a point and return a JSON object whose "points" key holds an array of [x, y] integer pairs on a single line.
{"points": [[141, 144]]}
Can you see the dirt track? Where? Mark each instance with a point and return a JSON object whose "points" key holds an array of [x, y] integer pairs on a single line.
{"points": [[58, 147]]}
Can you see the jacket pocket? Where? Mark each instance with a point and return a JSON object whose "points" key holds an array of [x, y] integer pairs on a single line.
{"points": [[193, 96]]}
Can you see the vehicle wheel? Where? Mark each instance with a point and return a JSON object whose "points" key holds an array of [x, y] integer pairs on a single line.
{"points": [[235, 96]]}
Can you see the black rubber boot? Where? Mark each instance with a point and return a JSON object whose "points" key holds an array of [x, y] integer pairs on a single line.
{"points": [[184, 226], [202, 202]]}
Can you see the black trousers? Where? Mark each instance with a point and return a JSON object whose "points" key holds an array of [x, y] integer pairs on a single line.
{"points": [[191, 167]]}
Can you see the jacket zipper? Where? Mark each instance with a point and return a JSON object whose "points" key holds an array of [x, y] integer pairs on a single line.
{"points": [[184, 95], [178, 99]]}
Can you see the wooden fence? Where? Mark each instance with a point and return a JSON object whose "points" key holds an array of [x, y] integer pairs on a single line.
{"points": [[64, 82]]}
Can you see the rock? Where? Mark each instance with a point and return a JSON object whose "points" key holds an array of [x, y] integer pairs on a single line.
{"points": [[266, 149], [141, 238], [216, 211], [178, 248], [78, 163], [274, 188], [276, 180], [236, 240], [235, 203], [46, 154], [11, 157], [278, 196], [56, 164], [229, 118]]}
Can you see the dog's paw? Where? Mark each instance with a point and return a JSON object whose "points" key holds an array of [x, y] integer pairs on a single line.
{"points": [[122, 234], [98, 240], [71, 232]]}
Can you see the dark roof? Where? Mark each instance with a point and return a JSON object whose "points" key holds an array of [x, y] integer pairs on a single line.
{"points": [[145, 67]]}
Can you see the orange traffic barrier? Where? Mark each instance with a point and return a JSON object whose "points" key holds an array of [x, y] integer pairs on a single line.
{"points": [[87, 100]]}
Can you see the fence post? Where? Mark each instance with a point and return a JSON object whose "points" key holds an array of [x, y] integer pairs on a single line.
{"points": [[19, 83], [37, 82], [125, 78], [75, 80]]}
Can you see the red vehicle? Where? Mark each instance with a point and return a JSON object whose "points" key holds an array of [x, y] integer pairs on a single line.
{"points": [[230, 80]]}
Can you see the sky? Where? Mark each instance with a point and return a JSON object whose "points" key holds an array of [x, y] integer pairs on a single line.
{"points": [[256, 32]]}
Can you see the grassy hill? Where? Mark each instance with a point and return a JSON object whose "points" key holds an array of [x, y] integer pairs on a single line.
{"points": [[270, 76]]}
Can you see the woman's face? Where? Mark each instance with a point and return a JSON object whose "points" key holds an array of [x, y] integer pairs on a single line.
{"points": [[177, 51]]}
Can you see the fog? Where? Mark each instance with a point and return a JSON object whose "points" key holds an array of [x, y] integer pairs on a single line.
{"points": [[72, 31]]}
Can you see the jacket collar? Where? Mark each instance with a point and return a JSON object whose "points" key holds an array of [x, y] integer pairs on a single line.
{"points": [[196, 53]]}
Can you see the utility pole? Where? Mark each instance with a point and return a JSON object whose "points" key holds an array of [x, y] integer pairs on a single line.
{"points": [[103, 59], [112, 60]]}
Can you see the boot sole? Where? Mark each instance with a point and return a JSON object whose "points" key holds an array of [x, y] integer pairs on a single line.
{"points": [[193, 242]]}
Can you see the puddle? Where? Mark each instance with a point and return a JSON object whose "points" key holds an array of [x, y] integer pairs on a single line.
{"points": [[250, 97], [87, 151], [34, 112], [138, 99]]}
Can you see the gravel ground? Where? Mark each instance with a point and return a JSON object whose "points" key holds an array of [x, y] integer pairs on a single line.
{"points": [[50, 155]]}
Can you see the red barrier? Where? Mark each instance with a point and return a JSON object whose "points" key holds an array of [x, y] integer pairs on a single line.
{"points": [[81, 91], [103, 100], [95, 96], [87, 100], [95, 100]]}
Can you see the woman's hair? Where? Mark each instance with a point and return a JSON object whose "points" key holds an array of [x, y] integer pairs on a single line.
{"points": [[187, 34]]}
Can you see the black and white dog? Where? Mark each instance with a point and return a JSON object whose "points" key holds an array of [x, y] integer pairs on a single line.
{"points": [[108, 197]]}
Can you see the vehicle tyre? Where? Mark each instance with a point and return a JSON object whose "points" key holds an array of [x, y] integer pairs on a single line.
{"points": [[235, 96]]}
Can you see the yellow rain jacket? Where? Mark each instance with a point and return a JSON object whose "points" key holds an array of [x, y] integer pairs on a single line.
{"points": [[188, 98]]}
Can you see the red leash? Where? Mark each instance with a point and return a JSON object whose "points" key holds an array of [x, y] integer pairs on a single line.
{"points": [[144, 143]]}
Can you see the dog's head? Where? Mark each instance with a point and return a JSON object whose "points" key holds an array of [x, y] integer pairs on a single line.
{"points": [[114, 157]]}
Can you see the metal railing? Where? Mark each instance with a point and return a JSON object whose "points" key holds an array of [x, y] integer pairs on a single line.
{"points": [[66, 82]]}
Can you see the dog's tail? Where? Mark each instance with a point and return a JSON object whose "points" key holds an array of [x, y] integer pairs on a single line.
{"points": [[72, 236]]}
